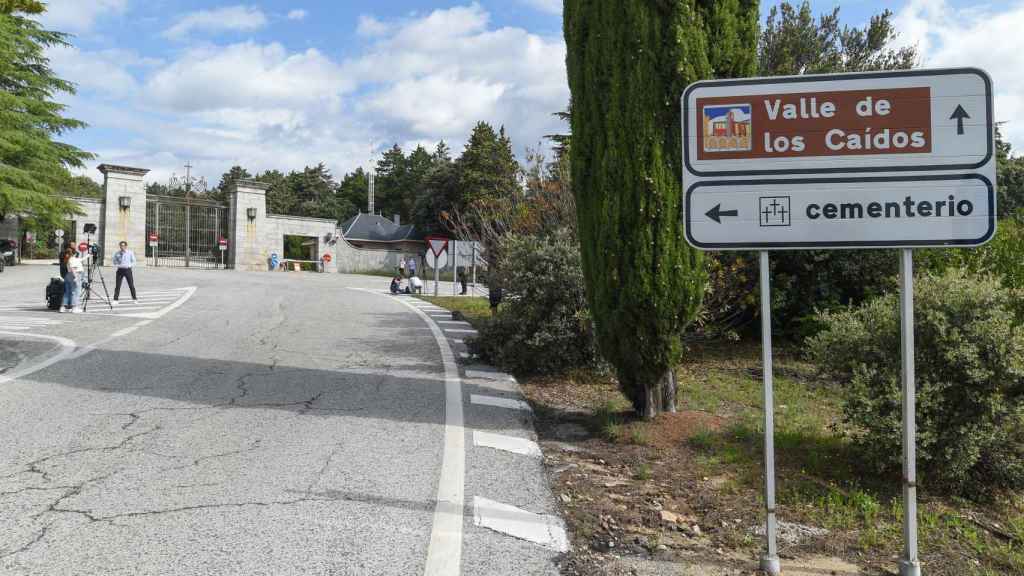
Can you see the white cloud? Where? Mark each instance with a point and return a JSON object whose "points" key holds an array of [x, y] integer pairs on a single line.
{"points": [[418, 79], [246, 75], [370, 27], [447, 70], [981, 37], [105, 72], [549, 6], [229, 18], [78, 15], [297, 14]]}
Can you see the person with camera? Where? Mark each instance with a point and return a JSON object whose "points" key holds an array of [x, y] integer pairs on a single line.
{"points": [[124, 261], [74, 271]]}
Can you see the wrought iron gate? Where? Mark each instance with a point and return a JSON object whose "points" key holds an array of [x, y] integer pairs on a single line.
{"points": [[188, 231]]}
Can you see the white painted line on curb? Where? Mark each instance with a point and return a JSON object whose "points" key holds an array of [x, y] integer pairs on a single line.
{"points": [[453, 322], [548, 531], [460, 331], [490, 375], [444, 553], [506, 443], [458, 341], [499, 402]]}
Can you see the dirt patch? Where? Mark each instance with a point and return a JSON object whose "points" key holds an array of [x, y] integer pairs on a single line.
{"points": [[646, 502]]}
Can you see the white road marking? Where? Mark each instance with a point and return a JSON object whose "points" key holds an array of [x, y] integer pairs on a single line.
{"points": [[486, 375], [151, 305], [458, 341], [499, 402], [506, 443], [67, 348], [444, 553], [135, 310], [548, 531], [453, 322], [460, 331]]}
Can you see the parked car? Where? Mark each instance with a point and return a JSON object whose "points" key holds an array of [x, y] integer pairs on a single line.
{"points": [[8, 252]]}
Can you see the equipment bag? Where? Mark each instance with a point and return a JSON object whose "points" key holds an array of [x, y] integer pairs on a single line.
{"points": [[54, 293]]}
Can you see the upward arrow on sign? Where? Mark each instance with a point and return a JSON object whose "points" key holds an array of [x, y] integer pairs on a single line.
{"points": [[959, 114]]}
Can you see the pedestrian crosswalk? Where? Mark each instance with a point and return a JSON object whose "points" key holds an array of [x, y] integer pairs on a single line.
{"points": [[25, 323], [151, 304]]}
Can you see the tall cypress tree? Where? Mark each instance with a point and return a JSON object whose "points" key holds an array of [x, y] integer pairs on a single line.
{"points": [[628, 63]]}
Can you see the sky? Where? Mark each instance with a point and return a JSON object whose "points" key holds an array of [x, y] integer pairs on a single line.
{"points": [[277, 84]]}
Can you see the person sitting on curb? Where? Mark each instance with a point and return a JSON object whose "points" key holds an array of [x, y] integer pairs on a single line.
{"points": [[396, 285]]}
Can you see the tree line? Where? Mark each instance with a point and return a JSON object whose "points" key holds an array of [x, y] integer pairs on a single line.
{"points": [[422, 187]]}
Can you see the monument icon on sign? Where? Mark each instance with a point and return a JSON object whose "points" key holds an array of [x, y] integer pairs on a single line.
{"points": [[774, 211], [727, 128]]}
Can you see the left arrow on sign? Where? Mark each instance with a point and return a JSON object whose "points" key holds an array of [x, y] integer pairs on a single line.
{"points": [[716, 213]]}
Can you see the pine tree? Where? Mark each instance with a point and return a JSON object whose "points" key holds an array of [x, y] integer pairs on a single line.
{"points": [[487, 167], [33, 167], [391, 178], [628, 63]]}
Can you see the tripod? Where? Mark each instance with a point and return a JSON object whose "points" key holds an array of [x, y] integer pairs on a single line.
{"points": [[88, 291]]}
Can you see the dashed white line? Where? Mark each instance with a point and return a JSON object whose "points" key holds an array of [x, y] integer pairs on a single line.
{"points": [[548, 531], [499, 402], [506, 443], [487, 375]]}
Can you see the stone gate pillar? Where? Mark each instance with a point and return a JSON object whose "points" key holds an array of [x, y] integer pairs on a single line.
{"points": [[247, 223], [124, 212]]}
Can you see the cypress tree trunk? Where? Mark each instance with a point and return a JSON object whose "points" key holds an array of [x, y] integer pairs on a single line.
{"points": [[628, 63]]}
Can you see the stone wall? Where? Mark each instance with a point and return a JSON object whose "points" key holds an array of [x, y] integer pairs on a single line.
{"points": [[324, 230], [246, 246], [94, 210], [254, 240], [352, 260], [123, 224]]}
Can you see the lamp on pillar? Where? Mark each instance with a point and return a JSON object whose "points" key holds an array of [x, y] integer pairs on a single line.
{"points": [[251, 213], [125, 202]]}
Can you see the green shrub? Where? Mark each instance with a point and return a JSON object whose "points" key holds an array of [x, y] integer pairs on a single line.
{"points": [[969, 361], [1002, 257], [543, 325]]}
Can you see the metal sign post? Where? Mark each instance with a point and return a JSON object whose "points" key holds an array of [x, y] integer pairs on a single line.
{"points": [[909, 564], [770, 558], [900, 159]]}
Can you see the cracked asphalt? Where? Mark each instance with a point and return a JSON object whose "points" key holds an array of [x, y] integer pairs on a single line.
{"points": [[274, 424]]}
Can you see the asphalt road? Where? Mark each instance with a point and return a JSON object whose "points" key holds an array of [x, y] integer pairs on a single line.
{"points": [[247, 423]]}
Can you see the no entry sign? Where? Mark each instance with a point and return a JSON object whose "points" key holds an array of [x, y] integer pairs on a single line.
{"points": [[851, 160]]}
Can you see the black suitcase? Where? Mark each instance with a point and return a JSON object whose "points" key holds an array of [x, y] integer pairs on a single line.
{"points": [[54, 293]]}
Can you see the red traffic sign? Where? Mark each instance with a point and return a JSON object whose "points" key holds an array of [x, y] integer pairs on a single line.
{"points": [[154, 237], [223, 241], [83, 247], [327, 258], [437, 244]]}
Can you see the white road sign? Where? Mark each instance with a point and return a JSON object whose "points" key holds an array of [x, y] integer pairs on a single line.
{"points": [[438, 261], [849, 160]]}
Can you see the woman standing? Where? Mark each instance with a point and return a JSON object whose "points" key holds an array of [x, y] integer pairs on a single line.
{"points": [[72, 280]]}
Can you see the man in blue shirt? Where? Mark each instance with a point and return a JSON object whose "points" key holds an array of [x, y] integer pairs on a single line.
{"points": [[124, 261]]}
